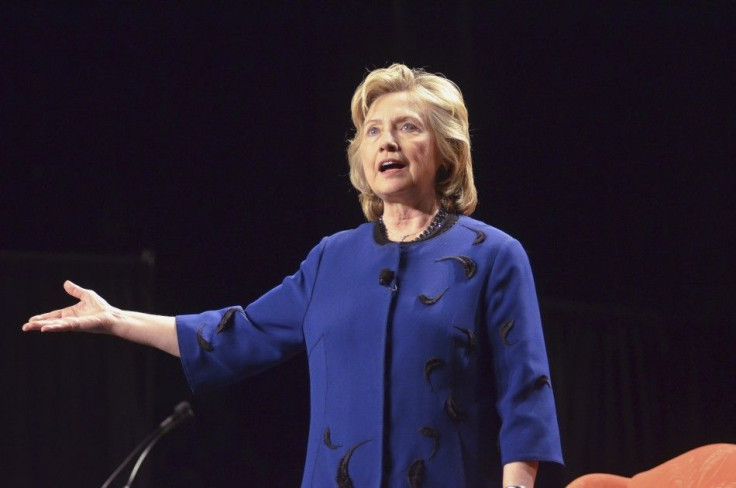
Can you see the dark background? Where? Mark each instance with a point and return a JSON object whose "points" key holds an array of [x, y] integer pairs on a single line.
{"points": [[211, 141]]}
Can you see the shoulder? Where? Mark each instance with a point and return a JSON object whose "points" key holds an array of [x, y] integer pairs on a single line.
{"points": [[345, 236], [491, 242], [356, 239], [337, 246], [485, 234]]}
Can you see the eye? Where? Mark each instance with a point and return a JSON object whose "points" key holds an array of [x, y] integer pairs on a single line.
{"points": [[372, 131], [409, 127]]}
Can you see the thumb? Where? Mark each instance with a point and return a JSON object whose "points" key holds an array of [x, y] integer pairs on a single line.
{"points": [[74, 290]]}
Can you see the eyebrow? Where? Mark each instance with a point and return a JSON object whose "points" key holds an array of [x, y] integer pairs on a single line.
{"points": [[400, 118]]}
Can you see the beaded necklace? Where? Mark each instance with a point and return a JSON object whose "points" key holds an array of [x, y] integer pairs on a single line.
{"points": [[434, 225]]}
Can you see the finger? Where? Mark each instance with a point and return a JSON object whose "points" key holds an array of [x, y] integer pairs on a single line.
{"points": [[60, 325], [56, 314], [29, 326], [41, 324], [74, 290]]}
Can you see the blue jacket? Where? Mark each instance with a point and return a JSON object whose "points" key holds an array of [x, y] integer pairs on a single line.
{"points": [[427, 361]]}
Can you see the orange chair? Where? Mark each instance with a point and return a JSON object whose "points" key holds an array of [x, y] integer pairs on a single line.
{"points": [[711, 466]]}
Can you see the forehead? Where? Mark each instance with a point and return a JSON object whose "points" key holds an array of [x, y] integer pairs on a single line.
{"points": [[396, 104]]}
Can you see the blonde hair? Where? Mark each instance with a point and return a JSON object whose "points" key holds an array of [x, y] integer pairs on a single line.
{"points": [[448, 119]]}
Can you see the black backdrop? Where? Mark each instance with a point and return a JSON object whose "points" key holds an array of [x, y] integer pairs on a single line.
{"points": [[214, 136], [74, 406]]}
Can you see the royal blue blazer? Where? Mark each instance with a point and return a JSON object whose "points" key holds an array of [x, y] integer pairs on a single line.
{"points": [[427, 361]]}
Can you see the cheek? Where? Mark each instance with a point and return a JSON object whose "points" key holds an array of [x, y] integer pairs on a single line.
{"points": [[366, 161], [429, 154]]}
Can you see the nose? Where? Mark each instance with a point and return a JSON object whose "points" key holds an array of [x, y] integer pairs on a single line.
{"points": [[388, 141]]}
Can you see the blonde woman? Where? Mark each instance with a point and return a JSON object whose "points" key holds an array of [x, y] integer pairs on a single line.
{"points": [[421, 326]]}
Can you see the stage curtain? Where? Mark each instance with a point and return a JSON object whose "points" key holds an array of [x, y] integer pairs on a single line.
{"points": [[635, 388], [75, 404]]}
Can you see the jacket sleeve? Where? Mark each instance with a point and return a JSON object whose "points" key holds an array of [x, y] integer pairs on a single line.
{"points": [[526, 405], [220, 347]]}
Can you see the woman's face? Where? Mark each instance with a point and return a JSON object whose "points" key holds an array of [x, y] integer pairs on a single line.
{"points": [[398, 151]]}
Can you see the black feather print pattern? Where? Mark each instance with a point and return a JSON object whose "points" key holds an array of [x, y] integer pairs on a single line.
{"points": [[415, 474], [427, 300], [429, 367], [455, 413], [468, 264], [541, 382], [434, 435], [505, 330], [470, 340], [480, 236], [225, 322], [203, 342], [327, 438], [343, 474]]}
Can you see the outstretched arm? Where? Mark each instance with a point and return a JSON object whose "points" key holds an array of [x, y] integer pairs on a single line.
{"points": [[93, 314]]}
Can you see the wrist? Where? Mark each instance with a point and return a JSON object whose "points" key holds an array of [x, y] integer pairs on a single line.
{"points": [[117, 322]]}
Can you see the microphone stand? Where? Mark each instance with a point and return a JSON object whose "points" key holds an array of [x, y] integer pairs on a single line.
{"points": [[141, 458], [182, 413]]}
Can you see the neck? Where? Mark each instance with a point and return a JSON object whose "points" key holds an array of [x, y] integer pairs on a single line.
{"points": [[405, 223]]}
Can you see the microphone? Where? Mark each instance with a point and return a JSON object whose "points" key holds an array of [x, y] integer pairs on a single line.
{"points": [[385, 277], [182, 413]]}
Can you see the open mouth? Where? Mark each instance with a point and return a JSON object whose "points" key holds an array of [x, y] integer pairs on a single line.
{"points": [[389, 165]]}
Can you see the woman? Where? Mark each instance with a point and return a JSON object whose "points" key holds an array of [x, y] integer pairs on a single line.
{"points": [[421, 326]]}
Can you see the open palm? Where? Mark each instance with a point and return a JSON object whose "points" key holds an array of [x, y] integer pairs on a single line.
{"points": [[91, 314]]}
